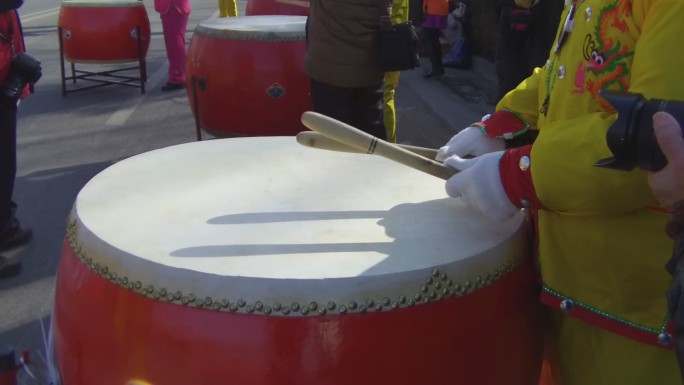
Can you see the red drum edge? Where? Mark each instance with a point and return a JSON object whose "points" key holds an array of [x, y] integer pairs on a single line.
{"points": [[107, 334]]}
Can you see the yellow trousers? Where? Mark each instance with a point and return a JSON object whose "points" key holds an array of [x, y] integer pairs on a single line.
{"points": [[389, 112], [581, 354], [227, 8]]}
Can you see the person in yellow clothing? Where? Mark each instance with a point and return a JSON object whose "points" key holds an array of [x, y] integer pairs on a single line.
{"points": [[399, 14], [600, 242]]}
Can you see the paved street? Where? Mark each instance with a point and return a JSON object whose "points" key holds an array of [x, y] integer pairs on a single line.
{"points": [[65, 141]]}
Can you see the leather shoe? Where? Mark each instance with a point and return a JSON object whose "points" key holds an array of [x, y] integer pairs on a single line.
{"points": [[15, 235], [9, 267], [172, 86], [430, 73]]}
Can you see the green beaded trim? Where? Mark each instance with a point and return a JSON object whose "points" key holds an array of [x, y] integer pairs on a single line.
{"points": [[514, 135], [608, 315], [437, 286], [481, 127]]}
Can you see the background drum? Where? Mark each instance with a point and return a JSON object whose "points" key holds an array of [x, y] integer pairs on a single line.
{"points": [[249, 75], [277, 7], [288, 265], [103, 31]]}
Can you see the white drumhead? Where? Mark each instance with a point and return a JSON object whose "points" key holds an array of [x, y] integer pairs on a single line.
{"points": [[102, 3], [267, 221], [260, 28]]}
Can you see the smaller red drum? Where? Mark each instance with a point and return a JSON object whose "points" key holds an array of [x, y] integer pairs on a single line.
{"points": [[249, 75], [103, 31], [277, 7]]}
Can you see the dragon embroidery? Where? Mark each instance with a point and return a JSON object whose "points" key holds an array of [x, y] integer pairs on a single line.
{"points": [[605, 57]]}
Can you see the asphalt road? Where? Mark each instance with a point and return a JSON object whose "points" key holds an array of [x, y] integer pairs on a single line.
{"points": [[64, 141]]}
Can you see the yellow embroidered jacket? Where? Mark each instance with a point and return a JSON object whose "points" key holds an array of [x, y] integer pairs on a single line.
{"points": [[601, 242]]}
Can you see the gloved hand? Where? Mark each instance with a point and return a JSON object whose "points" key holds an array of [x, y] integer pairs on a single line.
{"points": [[470, 141], [479, 185]]}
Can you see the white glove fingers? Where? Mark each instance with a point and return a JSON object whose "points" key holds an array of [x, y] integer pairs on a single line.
{"points": [[454, 186], [470, 141], [479, 185], [460, 163], [458, 144], [442, 153]]}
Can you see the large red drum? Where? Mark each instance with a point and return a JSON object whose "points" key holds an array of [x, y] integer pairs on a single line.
{"points": [[288, 265], [104, 31], [249, 75], [277, 7]]}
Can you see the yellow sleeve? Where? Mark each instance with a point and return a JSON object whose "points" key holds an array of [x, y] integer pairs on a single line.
{"points": [[565, 150], [524, 99], [658, 66], [564, 175]]}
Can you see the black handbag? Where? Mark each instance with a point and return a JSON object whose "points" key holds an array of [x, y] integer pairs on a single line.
{"points": [[398, 44]]}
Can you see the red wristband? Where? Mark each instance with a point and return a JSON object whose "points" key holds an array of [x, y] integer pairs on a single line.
{"points": [[503, 124], [515, 169]]}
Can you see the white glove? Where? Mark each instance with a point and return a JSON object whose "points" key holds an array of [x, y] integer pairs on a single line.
{"points": [[470, 141], [479, 185]]}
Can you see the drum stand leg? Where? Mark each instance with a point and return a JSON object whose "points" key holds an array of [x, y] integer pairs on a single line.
{"points": [[107, 77], [61, 60], [141, 61], [195, 106]]}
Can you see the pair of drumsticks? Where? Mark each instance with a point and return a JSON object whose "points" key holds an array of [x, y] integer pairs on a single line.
{"points": [[331, 134]]}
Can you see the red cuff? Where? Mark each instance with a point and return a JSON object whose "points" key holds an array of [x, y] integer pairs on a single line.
{"points": [[515, 169], [503, 124]]}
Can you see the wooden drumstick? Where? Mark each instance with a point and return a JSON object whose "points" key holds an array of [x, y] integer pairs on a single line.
{"points": [[356, 138], [317, 140]]}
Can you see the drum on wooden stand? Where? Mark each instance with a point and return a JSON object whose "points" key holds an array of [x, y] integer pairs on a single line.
{"points": [[103, 31], [248, 77], [277, 7], [288, 265]]}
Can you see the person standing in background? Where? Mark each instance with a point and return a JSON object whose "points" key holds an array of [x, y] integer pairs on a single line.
{"points": [[341, 61], [599, 242], [12, 233], [435, 13], [525, 33], [174, 17]]}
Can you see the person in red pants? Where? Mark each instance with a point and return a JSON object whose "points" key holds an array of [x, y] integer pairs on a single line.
{"points": [[174, 16]]}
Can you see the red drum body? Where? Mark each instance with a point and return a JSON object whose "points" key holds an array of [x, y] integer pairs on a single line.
{"points": [[249, 75], [277, 7], [104, 31], [292, 278]]}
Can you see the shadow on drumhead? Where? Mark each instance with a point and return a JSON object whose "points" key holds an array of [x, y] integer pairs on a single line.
{"points": [[408, 236], [293, 216]]}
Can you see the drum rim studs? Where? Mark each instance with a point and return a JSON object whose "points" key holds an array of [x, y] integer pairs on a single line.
{"points": [[438, 285]]}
